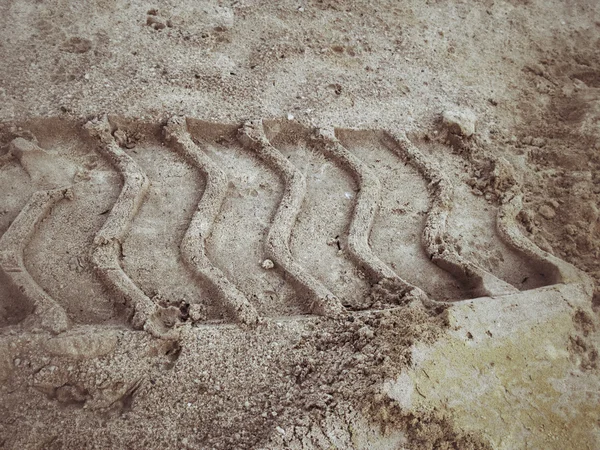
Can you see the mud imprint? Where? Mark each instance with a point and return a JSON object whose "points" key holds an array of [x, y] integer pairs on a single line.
{"points": [[151, 254], [240, 229], [473, 221], [319, 238], [120, 221], [399, 223]]}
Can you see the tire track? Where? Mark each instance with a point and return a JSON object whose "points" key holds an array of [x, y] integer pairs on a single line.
{"points": [[257, 202], [363, 216], [397, 228], [58, 255], [318, 240], [108, 242], [193, 245], [323, 302], [236, 243], [434, 238], [47, 314]]}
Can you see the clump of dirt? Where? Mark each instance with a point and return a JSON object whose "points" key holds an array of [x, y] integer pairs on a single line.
{"points": [[560, 142], [290, 379], [387, 292], [341, 366], [429, 431], [552, 155], [347, 363], [76, 45], [583, 352], [584, 322], [489, 175]]}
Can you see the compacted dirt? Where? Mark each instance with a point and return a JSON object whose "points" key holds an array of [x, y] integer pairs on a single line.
{"points": [[300, 225]]}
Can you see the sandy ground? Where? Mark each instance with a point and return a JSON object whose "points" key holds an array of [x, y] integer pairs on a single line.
{"points": [[277, 238]]}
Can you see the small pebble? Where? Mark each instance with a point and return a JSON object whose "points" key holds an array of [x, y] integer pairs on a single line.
{"points": [[267, 264], [460, 122]]}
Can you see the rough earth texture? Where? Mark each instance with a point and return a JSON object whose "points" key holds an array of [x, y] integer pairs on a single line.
{"points": [[272, 239]]}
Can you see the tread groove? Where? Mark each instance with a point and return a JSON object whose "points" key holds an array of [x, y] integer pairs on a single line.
{"points": [[47, 312], [193, 245], [363, 215], [508, 229], [324, 302], [107, 247], [434, 238]]}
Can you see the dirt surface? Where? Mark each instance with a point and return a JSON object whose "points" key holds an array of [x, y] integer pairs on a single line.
{"points": [[300, 225]]}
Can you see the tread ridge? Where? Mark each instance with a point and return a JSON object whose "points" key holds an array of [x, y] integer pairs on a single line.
{"points": [[107, 247], [47, 312], [364, 212], [252, 136], [434, 237], [509, 231], [193, 245]]}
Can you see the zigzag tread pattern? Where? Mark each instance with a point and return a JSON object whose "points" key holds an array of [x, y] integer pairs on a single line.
{"points": [[47, 313], [277, 245], [193, 244], [108, 241], [239, 303]]}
